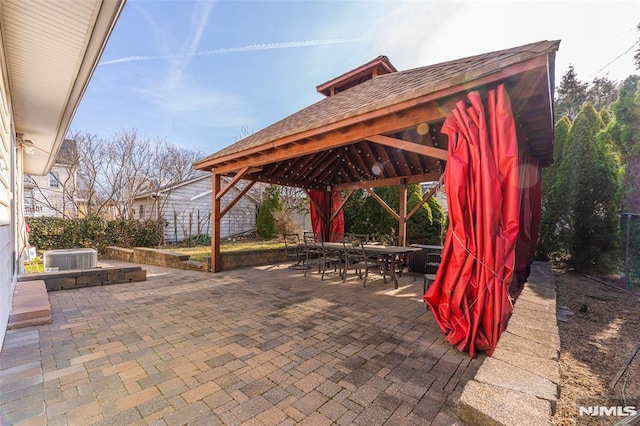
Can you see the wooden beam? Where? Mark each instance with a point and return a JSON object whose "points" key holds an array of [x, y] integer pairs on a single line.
{"points": [[232, 183], [323, 216], [417, 148], [342, 203], [425, 198], [425, 108], [235, 200], [389, 167], [426, 177], [215, 223], [383, 204], [385, 124], [402, 217], [286, 182]]}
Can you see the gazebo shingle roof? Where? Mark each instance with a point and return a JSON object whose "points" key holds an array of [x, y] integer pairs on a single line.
{"points": [[387, 90]]}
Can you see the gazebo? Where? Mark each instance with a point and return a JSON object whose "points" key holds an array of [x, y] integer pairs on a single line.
{"points": [[487, 118], [382, 127]]}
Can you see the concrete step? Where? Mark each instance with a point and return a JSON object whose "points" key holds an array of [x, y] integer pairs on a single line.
{"points": [[30, 305]]}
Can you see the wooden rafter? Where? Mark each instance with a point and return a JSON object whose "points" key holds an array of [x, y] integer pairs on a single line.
{"points": [[232, 183], [383, 204], [425, 198], [320, 212], [385, 161], [427, 177], [235, 200], [429, 151], [342, 203]]}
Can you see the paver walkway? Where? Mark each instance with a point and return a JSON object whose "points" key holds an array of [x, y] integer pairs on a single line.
{"points": [[260, 346]]}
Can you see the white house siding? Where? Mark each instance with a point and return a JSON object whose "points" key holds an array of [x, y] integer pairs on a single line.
{"points": [[42, 200], [187, 210], [8, 215]]}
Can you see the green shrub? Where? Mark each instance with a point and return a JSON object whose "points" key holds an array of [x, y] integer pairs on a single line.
{"points": [[52, 233], [265, 222]]}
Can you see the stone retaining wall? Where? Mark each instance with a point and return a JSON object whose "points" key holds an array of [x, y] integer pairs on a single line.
{"points": [[77, 278], [169, 259], [520, 383], [243, 259]]}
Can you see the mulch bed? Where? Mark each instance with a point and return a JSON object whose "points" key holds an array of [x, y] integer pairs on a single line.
{"points": [[601, 331]]}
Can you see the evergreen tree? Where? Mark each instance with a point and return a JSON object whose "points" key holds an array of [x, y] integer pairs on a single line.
{"points": [[624, 132], [605, 116], [553, 201], [265, 222], [571, 94], [592, 184], [602, 92], [626, 109], [636, 57]]}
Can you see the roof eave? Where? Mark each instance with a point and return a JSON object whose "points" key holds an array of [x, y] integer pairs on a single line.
{"points": [[540, 61], [48, 137]]}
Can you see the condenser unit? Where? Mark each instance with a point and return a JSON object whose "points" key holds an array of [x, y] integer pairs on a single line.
{"points": [[61, 260]]}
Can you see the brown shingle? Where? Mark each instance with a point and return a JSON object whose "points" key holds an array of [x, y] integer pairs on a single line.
{"points": [[387, 90]]}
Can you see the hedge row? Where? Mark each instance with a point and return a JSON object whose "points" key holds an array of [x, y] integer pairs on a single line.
{"points": [[51, 233]]}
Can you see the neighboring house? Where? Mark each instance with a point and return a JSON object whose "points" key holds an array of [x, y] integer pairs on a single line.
{"points": [[186, 207], [439, 195], [48, 52], [55, 194]]}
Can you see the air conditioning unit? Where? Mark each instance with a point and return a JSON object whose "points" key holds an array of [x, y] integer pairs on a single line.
{"points": [[61, 260]]}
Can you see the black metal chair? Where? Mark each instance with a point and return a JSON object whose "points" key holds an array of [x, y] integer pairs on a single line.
{"points": [[365, 238], [315, 252], [431, 268], [356, 258], [294, 250]]}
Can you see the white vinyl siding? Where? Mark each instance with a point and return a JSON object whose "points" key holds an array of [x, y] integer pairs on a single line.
{"points": [[8, 167], [187, 210]]}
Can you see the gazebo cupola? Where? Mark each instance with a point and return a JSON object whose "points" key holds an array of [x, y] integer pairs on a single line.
{"points": [[379, 66]]}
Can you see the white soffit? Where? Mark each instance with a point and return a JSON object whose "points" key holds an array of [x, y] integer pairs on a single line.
{"points": [[52, 48]]}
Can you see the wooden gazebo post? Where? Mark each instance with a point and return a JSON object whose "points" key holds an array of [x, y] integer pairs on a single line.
{"points": [[215, 216], [402, 219]]}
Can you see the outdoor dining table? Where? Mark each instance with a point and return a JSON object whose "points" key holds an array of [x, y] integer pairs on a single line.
{"points": [[388, 252]]}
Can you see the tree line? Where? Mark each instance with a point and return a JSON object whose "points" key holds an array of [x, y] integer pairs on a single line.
{"points": [[104, 175], [595, 177]]}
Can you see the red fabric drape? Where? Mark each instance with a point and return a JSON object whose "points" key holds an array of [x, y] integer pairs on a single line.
{"points": [[469, 298], [530, 210], [336, 231], [328, 202]]}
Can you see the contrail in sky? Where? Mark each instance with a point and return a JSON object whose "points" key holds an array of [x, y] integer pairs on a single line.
{"points": [[264, 46]]}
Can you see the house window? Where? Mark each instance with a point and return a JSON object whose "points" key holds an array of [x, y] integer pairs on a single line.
{"points": [[141, 211], [54, 180]]}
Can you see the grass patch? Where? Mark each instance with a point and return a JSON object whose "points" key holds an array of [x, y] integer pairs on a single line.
{"points": [[199, 252], [33, 267]]}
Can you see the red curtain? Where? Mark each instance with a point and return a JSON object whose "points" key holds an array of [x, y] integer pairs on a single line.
{"points": [[336, 231], [469, 298], [530, 210], [328, 202]]}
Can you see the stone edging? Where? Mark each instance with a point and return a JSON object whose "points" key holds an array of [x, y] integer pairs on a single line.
{"points": [[520, 383]]}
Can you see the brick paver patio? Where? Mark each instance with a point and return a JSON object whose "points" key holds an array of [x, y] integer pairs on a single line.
{"points": [[262, 346]]}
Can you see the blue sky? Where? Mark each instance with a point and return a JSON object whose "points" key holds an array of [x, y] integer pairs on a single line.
{"points": [[195, 73]]}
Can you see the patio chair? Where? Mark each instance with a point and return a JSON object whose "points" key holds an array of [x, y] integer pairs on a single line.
{"points": [[315, 252], [356, 258], [365, 238], [431, 268], [294, 250], [396, 262]]}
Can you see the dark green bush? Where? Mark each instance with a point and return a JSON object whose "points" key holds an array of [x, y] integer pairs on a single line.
{"points": [[51, 233]]}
